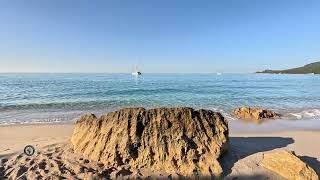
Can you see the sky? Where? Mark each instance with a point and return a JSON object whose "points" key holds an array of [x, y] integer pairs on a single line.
{"points": [[160, 36]]}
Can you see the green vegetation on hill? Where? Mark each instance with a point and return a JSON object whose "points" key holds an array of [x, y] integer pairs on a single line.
{"points": [[309, 68]]}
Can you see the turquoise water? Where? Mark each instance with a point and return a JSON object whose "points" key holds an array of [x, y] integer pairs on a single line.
{"points": [[62, 97]]}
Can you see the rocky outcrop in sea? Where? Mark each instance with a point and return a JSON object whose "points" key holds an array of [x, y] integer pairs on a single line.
{"points": [[255, 114]]}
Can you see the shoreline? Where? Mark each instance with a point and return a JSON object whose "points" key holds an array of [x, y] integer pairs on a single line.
{"points": [[35, 116], [37, 123], [235, 125]]}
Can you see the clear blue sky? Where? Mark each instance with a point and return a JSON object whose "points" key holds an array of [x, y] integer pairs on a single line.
{"points": [[159, 35]]}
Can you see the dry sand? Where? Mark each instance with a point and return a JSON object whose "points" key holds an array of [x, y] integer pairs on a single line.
{"points": [[54, 157]]}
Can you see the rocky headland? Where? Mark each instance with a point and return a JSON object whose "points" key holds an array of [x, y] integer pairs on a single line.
{"points": [[312, 68]]}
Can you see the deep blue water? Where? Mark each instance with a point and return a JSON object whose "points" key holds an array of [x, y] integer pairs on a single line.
{"points": [[63, 97]]}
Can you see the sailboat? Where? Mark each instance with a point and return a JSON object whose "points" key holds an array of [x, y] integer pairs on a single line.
{"points": [[136, 72]]}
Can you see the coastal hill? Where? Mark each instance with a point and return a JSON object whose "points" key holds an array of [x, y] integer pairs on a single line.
{"points": [[307, 69]]}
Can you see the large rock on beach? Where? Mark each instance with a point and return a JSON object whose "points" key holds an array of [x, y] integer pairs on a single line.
{"points": [[288, 165], [173, 140], [256, 114]]}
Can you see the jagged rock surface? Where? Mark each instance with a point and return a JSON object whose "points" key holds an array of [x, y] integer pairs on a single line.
{"points": [[173, 140], [288, 165], [256, 114]]}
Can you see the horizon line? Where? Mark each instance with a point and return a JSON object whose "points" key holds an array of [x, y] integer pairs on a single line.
{"points": [[125, 72]]}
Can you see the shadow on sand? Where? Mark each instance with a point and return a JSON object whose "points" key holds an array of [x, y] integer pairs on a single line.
{"points": [[312, 162], [241, 147]]}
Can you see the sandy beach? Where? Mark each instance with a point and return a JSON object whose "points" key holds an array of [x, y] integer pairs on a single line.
{"points": [[54, 156], [159, 90]]}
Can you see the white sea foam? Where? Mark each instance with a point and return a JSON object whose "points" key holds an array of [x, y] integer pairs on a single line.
{"points": [[291, 115], [305, 114]]}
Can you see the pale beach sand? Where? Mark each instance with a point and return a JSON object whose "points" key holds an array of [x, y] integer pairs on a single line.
{"points": [[246, 150], [15, 137], [54, 156]]}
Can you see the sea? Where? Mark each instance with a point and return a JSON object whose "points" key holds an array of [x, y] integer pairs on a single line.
{"points": [[57, 98]]}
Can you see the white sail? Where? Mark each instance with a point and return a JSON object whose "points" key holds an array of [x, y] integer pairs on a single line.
{"points": [[136, 72]]}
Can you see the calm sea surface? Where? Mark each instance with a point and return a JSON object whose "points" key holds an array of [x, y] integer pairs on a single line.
{"points": [[26, 98]]}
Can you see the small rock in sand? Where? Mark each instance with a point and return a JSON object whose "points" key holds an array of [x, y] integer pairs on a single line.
{"points": [[288, 165]]}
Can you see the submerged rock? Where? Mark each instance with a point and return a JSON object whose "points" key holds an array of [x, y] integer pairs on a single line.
{"points": [[173, 140], [288, 165], [256, 114]]}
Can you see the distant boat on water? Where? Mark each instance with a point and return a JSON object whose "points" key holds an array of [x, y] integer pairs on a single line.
{"points": [[219, 73], [136, 72]]}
